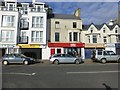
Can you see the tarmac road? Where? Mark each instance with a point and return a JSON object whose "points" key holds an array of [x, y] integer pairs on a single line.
{"points": [[46, 75]]}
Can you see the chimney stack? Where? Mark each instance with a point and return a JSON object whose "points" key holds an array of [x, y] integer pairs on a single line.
{"points": [[77, 13], [111, 23], [33, 1]]}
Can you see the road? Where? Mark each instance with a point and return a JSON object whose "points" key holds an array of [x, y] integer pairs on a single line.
{"points": [[39, 75]]}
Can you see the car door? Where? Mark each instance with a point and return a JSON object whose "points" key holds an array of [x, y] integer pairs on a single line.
{"points": [[11, 58], [69, 58], [113, 56], [107, 55], [62, 58], [18, 58]]}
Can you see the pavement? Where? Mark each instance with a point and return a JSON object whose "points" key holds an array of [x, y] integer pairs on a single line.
{"points": [[86, 61]]}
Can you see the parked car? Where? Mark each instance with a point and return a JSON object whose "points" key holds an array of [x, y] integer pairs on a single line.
{"points": [[65, 58], [17, 58], [104, 56]]}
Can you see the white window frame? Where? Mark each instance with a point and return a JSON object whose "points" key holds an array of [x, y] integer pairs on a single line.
{"points": [[37, 36], [10, 8], [37, 21], [23, 36], [8, 21], [38, 8], [7, 35], [25, 8]]}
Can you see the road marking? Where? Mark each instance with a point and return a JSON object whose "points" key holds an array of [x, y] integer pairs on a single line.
{"points": [[92, 72], [27, 74]]}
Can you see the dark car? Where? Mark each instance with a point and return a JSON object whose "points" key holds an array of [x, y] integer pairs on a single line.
{"points": [[65, 58], [17, 58]]}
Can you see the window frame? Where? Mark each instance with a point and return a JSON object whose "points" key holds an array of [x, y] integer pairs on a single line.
{"points": [[37, 36], [8, 20], [57, 24], [94, 38], [37, 21], [57, 36], [8, 36], [74, 24]]}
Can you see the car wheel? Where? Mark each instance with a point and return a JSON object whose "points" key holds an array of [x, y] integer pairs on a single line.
{"points": [[103, 61], [26, 62], [56, 62], [77, 62], [5, 62]]}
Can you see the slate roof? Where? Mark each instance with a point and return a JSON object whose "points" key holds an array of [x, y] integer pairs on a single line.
{"points": [[86, 27], [65, 16]]}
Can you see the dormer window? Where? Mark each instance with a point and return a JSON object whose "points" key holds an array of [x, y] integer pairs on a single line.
{"points": [[38, 8], [10, 6], [25, 8]]}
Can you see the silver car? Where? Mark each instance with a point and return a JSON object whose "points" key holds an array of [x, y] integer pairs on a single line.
{"points": [[16, 58], [65, 58]]}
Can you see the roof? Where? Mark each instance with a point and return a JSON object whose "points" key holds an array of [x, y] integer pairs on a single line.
{"points": [[86, 27], [65, 16]]}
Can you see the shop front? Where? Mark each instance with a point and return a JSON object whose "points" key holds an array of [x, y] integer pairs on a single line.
{"points": [[66, 48], [31, 50], [89, 48], [8, 48]]}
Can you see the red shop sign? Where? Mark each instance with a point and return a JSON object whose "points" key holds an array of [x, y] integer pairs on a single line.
{"points": [[66, 44]]}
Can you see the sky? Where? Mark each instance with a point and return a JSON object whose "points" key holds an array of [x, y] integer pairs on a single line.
{"points": [[91, 12]]}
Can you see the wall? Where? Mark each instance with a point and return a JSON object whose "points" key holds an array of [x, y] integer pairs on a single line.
{"points": [[45, 53], [65, 26]]}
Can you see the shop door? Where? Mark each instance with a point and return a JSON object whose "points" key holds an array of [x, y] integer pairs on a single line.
{"points": [[58, 50], [88, 53], [52, 51]]}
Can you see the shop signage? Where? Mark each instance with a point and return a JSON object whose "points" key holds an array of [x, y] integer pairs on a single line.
{"points": [[72, 45], [110, 45], [29, 46], [66, 44], [94, 45]]}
